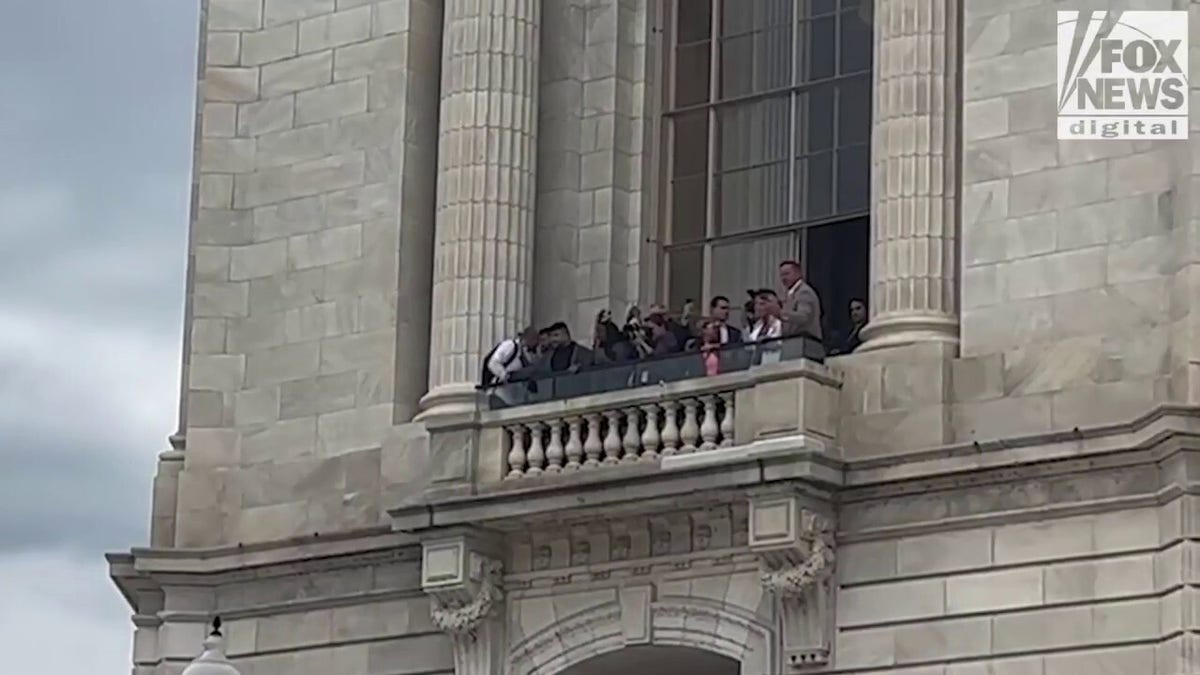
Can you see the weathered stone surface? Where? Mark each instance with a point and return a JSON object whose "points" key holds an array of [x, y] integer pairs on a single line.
{"points": [[235, 14], [334, 101], [282, 11], [336, 30], [223, 49], [261, 117], [266, 46], [231, 84], [258, 260], [296, 74], [219, 120], [356, 60]]}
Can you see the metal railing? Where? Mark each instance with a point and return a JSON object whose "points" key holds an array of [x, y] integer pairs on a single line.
{"points": [[608, 377]]}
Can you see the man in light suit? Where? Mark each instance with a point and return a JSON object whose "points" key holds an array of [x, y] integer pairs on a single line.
{"points": [[801, 306]]}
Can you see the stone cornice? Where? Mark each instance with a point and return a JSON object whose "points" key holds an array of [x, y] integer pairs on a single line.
{"points": [[737, 468], [147, 569], [1154, 427], [235, 557]]}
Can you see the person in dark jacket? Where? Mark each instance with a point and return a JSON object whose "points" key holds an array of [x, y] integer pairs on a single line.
{"points": [[610, 344], [662, 338], [718, 311], [564, 355], [858, 320]]}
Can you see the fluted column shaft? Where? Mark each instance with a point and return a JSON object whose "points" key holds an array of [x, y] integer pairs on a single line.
{"points": [[486, 190], [914, 220]]}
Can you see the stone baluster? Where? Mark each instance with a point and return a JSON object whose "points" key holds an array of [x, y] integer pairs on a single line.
{"points": [[727, 421], [537, 453], [486, 191], [574, 443], [690, 433], [592, 447], [612, 439], [554, 451], [516, 455], [709, 429], [650, 436], [670, 431], [633, 439], [914, 214]]}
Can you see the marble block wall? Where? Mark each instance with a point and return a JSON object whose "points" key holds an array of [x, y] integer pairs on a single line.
{"points": [[1103, 593], [1067, 247], [1185, 296], [351, 614], [1031, 570], [316, 166], [592, 123]]}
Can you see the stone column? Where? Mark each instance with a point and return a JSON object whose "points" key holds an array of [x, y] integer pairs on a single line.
{"points": [[914, 219], [486, 183]]}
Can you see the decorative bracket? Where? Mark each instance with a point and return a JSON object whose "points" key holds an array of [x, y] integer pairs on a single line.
{"points": [[464, 586], [796, 551]]}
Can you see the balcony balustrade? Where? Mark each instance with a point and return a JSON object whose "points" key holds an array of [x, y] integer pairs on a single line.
{"points": [[656, 411], [603, 437]]}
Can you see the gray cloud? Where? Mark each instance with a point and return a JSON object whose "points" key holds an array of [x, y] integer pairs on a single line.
{"points": [[96, 127]]}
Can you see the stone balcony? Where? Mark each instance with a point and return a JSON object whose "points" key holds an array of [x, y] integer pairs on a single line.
{"points": [[764, 420]]}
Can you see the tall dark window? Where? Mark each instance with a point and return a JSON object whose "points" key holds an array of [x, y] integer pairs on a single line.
{"points": [[767, 139]]}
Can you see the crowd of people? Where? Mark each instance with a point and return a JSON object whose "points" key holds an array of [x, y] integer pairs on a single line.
{"points": [[769, 316]]}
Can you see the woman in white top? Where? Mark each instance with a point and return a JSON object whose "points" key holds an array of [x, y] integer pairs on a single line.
{"points": [[767, 311]]}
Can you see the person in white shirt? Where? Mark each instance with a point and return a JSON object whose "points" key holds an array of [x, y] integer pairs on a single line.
{"points": [[767, 325], [509, 356]]}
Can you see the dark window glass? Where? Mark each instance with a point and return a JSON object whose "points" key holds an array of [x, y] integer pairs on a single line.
{"points": [[822, 35], [836, 265], [817, 7], [799, 182], [819, 181], [817, 124], [688, 199], [691, 74], [685, 269], [690, 152], [855, 52], [853, 178], [854, 111], [737, 65], [695, 21], [737, 18]]}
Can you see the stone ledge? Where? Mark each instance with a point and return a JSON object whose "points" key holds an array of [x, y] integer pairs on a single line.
{"points": [[1148, 430], [223, 559], [728, 469]]}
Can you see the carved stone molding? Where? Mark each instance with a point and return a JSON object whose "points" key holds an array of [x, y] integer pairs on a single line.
{"points": [[797, 553], [462, 618], [792, 572], [635, 540], [464, 585]]}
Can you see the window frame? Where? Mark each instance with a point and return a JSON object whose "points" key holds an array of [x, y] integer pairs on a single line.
{"points": [[666, 52]]}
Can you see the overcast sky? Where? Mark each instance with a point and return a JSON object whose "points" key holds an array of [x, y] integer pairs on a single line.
{"points": [[96, 102]]}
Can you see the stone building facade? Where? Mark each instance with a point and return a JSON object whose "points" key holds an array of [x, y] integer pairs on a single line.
{"points": [[999, 482]]}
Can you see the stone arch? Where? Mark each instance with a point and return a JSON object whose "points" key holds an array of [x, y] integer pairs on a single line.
{"points": [[678, 621]]}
